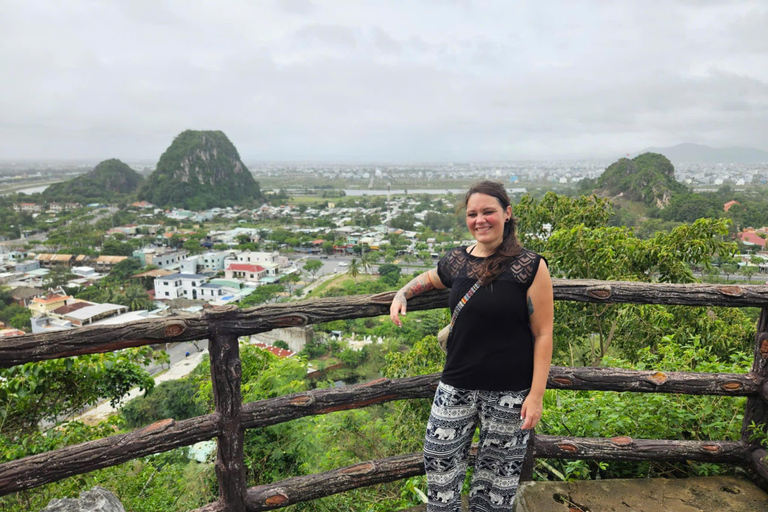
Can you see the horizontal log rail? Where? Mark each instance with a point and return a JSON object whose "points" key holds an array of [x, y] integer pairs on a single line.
{"points": [[77, 459], [319, 485], [100, 339], [166, 435], [627, 448], [654, 381]]}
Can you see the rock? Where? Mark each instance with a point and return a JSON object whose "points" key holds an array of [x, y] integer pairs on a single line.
{"points": [[97, 499]]}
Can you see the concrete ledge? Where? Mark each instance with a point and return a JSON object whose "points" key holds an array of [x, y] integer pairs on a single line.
{"points": [[704, 494]]}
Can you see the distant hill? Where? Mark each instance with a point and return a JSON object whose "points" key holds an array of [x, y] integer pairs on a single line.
{"points": [[109, 179], [648, 178], [200, 169], [696, 153]]}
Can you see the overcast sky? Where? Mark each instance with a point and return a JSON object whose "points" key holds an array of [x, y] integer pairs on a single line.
{"points": [[375, 80]]}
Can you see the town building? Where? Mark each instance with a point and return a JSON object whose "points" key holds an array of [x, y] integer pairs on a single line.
{"points": [[178, 286]]}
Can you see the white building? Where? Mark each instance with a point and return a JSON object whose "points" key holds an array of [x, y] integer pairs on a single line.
{"points": [[84, 271], [189, 265], [245, 271], [261, 258], [176, 286], [214, 260]]}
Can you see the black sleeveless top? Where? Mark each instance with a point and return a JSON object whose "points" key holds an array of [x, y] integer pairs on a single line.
{"points": [[491, 346]]}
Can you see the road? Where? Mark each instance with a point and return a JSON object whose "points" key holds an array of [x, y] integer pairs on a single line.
{"points": [[178, 352], [337, 264], [182, 365]]}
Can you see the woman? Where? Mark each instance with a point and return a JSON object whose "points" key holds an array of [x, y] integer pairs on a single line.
{"points": [[498, 358]]}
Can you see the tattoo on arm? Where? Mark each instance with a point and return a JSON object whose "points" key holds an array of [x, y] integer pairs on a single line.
{"points": [[416, 286], [530, 306]]}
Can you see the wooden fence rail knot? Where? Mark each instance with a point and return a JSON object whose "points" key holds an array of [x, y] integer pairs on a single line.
{"points": [[174, 330], [731, 291], [601, 292], [360, 469], [276, 499], [303, 401]]}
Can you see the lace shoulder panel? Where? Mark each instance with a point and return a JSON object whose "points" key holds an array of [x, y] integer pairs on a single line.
{"points": [[524, 266], [452, 265], [456, 263]]}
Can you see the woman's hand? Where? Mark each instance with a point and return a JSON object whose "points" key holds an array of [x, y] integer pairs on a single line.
{"points": [[418, 285], [531, 411], [399, 304]]}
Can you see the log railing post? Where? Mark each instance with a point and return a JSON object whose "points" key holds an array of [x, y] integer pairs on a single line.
{"points": [[757, 406], [226, 373], [526, 472]]}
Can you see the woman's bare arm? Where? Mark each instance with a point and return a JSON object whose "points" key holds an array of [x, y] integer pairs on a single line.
{"points": [[424, 282], [541, 311]]}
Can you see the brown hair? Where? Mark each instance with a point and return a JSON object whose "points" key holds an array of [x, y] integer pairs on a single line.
{"points": [[510, 246]]}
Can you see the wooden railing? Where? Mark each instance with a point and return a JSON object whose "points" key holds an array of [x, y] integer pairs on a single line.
{"points": [[223, 326]]}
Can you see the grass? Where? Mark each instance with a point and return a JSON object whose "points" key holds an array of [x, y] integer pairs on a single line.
{"points": [[337, 282]]}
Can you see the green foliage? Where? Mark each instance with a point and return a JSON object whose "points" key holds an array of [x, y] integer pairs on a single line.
{"points": [[109, 181], [261, 295], [112, 247], [537, 219], [166, 482], [313, 266], [649, 415], [200, 169], [690, 206], [49, 391], [125, 269], [403, 221], [171, 399], [581, 246], [111, 291], [14, 315], [390, 274], [649, 178], [281, 344]]}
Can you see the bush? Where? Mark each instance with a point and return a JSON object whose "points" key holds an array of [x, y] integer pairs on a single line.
{"points": [[171, 399]]}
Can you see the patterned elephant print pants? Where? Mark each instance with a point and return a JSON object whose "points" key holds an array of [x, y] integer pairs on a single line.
{"points": [[455, 415]]}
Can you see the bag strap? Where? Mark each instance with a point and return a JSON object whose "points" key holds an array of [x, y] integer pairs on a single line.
{"points": [[462, 302]]}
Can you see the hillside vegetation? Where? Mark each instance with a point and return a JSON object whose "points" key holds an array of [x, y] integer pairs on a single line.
{"points": [[108, 179], [201, 169], [648, 178]]}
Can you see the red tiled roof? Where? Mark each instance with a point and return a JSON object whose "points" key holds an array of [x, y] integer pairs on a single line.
{"points": [[727, 206], [11, 332], [244, 267], [279, 352], [63, 310], [752, 238]]}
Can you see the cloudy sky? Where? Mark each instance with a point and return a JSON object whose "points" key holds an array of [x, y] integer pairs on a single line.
{"points": [[375, 80]]}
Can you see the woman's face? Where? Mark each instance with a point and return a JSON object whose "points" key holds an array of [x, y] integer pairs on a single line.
{"points": [[486, 218]]}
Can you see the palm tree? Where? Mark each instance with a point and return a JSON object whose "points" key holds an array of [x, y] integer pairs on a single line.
{"points": [[136, 298], [354, 271], [365, 263]]}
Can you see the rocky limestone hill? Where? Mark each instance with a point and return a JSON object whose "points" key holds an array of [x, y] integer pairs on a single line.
{"points": [[648, 178], [107, 181], [200, 169]]}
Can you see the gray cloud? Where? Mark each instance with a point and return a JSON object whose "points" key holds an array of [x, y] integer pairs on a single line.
{"points": [[300, 7], [395, 81]]}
